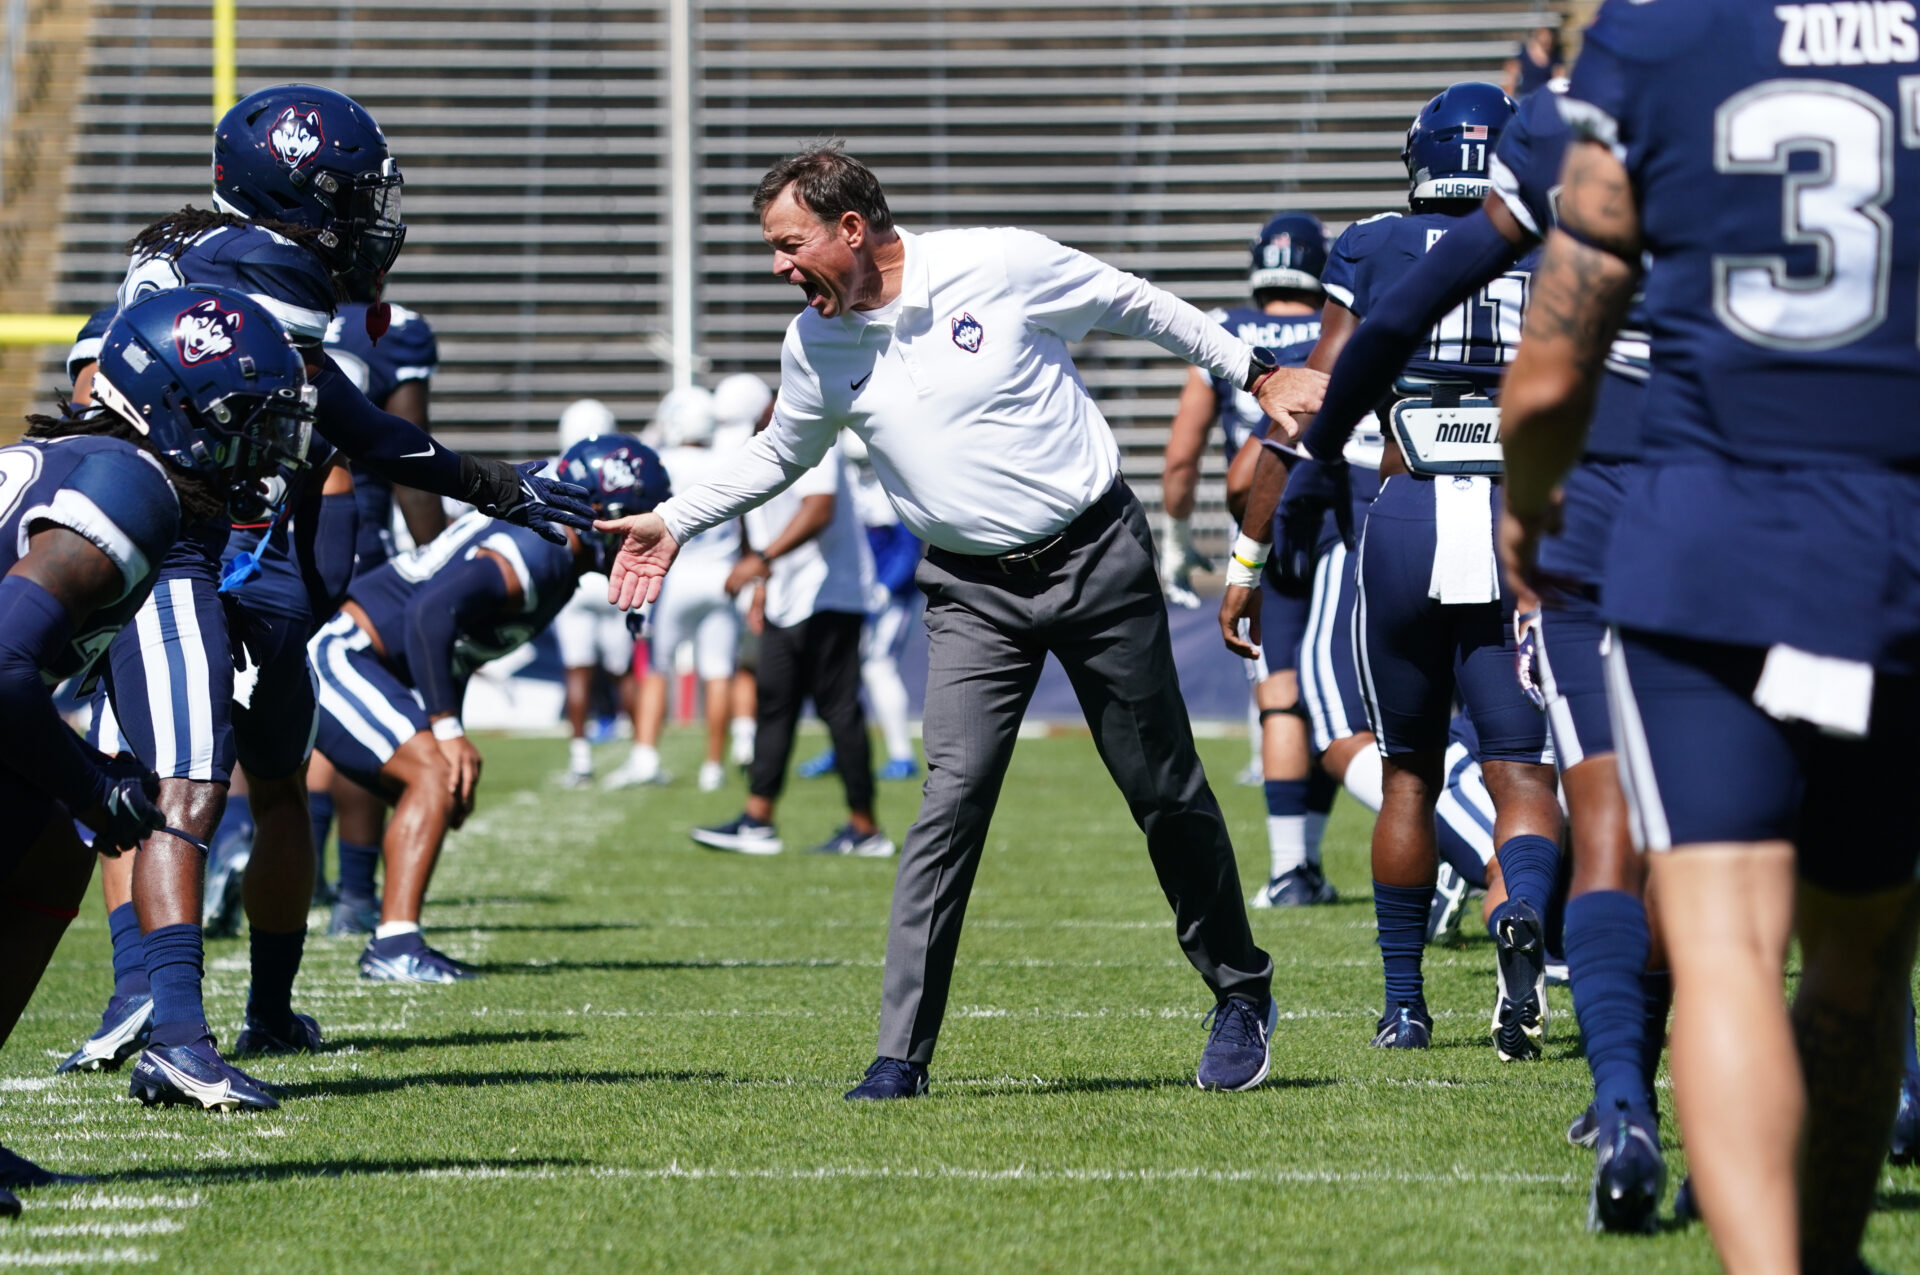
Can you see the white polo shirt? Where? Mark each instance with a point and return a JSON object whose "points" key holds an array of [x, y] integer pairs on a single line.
{"points": [[831, 572], [964, 391]]}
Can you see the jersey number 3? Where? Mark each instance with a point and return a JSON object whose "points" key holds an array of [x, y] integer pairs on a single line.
{"points": [[1837, 207]]}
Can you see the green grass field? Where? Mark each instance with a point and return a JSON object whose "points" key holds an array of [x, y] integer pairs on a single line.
{"points": [[650, 1075]]}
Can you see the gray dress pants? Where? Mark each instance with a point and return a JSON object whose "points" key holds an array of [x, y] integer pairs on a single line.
{"points": [[1094, 601]]}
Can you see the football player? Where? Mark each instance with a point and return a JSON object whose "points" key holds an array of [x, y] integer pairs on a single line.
{"points": [[591, 633], [314, 170], [196, 396], [1754, 163], [395, 373], [694, 608], [1432, 617], [393, 665], [1621, 1003], [1288, 257]]}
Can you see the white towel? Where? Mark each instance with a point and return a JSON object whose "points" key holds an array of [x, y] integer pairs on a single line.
{"points": [[1835, 695], [1464, 570]]}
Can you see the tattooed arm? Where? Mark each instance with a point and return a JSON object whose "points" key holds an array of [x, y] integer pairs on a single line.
{"points": [[1581, 291]]}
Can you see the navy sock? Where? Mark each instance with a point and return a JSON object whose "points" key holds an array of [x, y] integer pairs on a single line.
{"points": [[1607, 943], [1401, 913], [276, 961], [1322, 788], [129, 952], [1286, 797], [1657, 987], [1528, 865], [320, 811], [176, 959], [356, 869]]}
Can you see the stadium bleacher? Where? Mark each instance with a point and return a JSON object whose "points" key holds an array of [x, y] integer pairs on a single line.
{"points": [[534, 137]]}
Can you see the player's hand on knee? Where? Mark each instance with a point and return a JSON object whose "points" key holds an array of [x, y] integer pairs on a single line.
{"points": [[1240, 620], [646, 550], [126, 814], [463, 762]]}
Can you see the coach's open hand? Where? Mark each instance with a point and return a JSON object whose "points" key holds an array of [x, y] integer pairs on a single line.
{"points": [[1290, 393], [633, 578]]}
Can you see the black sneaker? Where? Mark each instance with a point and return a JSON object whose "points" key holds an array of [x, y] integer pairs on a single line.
{"points": [[875, 845], [745, 835], [1239, 1048], [1406, 1025], [1301, 887], [890, 1078]]}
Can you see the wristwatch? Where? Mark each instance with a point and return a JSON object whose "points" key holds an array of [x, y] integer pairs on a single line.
{"points": [[1261, 363]]}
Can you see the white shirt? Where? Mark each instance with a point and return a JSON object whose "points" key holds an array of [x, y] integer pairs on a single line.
{"points": [[831, 572], [963, 389]]}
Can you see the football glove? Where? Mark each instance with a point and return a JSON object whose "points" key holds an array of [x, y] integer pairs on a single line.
{"points": [[520, 494]]}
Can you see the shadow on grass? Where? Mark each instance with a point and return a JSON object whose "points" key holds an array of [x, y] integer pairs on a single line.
{"points": [[1121, 1084], [452, 1040], [567, 967], [363, 1086], [285, 1170]]}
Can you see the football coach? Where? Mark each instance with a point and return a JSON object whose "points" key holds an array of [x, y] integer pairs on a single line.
{"points": [[947, 352]]}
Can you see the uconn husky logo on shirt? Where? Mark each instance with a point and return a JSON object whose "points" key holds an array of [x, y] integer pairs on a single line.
{"points": [[967, 333], [296, 136], [205, 332]]}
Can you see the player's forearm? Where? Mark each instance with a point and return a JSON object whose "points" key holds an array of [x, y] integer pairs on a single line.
{"points": [[461, 594], [762, 469], [1152, 314], [1263, 496], [1177, 485], [1466, 257]]}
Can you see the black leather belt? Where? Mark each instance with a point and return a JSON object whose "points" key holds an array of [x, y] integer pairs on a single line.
{"points": [[1041, 555]]}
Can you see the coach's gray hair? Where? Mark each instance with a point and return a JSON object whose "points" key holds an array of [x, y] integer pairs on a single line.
{"points": [[827, 182]]}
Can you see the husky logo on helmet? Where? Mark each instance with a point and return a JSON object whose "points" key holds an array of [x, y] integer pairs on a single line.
{"points": [[967, 333], [205, 331], [616, 471], [296, 136]]}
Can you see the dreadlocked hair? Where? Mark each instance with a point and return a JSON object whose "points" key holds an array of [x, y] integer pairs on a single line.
{"points": [[201, 498], [170, 235]]}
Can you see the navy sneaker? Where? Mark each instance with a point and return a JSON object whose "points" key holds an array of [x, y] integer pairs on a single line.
{"points": [[1406, 1025], [1300, 887], [900, 768], [1239, 1049], [1520, 1009], [891, 1078], [123, 1032], [299, 1035], [196, 1076], [818, 767], [1585, 1129], [745, 835], [1629, 1177], [1448, 906], [846, 841], [17, 1173], [1905, 1146], [398, 960], [353, 915]]}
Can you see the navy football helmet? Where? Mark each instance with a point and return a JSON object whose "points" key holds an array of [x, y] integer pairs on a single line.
{"points": [[622, 476], [1291, 252], [207, 375], [312, 157], [1451, 140]]}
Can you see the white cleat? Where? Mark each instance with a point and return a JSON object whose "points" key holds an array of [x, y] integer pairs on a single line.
{"points": [[634, 773]]}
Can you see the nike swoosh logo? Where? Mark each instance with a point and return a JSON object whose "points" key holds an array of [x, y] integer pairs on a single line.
{"points": [[427, 454], [862, 381]]}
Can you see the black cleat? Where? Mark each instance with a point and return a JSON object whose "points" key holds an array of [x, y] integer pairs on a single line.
{"points": [[1520, 1009], [1628, 1179]]}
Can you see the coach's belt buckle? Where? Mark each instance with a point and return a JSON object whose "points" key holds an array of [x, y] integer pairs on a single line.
{"points": [[1029, 557]]}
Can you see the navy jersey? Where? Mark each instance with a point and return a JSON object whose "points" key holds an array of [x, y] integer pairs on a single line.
{"points": [[1526, 176], [1476, 341], [407, 352], [109, 491], [545, 572], [1290, 338], [290, 282], [1775, 151]]}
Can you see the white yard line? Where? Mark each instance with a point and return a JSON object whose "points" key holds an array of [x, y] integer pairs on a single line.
{"points": [[75, 1257], [125, 1202], [102, 1230]]}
